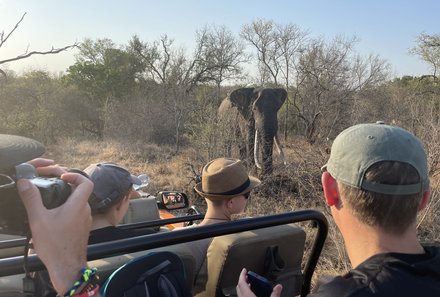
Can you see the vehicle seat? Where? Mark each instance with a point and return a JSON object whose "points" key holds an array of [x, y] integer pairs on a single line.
{"points": [[281, 246], [141, 210], [154, 274], [106, 266]]}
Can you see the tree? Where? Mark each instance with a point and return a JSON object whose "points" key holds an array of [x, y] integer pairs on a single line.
{"points": [[329, 76], [216, 57], [26, 54], [103, 70], [39, 106], [260, 34], [222, 53], [106, 74], [290, 41], [428, 49]]}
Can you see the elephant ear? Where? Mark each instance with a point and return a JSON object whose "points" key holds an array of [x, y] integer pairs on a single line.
{"points": [[271, 99], [242, 99]]}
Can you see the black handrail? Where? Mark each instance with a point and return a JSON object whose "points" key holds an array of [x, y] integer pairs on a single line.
{"points": [[162, 222], [14, 265], [11, 243]]}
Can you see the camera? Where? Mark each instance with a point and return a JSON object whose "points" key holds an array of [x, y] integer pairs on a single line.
{"points": [[13, 219]]}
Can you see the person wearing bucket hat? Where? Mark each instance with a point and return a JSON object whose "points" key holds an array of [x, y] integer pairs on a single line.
{"points": [[109, 201], [375, 182], [225, 186]]}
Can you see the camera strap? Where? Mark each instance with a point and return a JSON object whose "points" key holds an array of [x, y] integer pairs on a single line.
{"points": [[28, 280]]}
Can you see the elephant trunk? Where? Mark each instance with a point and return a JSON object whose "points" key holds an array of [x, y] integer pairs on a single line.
{"points": [[257, 150], [280, 148]]}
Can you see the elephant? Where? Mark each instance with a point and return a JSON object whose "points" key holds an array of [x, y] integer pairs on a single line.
{"points": [[252, 112]]}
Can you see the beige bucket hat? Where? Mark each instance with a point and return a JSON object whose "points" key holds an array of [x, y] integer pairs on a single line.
{"points": [[225, 177]]}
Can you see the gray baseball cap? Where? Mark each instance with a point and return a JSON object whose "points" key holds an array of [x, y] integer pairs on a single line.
{"points": [[111, 182], [357, 148]]}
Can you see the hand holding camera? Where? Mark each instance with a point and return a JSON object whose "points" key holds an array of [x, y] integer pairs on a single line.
{"points": [[60, 234], [54, 192]]}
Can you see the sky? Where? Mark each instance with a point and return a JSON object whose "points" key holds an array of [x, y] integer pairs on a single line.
{"points": [[385, 28]]}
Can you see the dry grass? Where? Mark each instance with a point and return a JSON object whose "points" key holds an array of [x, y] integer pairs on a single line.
{"points": [[292, 187]]}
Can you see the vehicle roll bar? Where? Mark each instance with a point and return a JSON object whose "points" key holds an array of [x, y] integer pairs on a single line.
{"points": [[10, 243], [14, 265]]}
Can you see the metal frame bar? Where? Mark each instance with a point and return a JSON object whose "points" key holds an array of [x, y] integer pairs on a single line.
{"points": [[10, 243]]}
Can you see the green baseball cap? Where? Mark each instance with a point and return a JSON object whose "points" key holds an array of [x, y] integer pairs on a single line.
{"points": [[357, 148]]}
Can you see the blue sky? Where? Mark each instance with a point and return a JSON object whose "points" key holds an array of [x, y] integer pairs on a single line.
{"points": [[387, 28]]}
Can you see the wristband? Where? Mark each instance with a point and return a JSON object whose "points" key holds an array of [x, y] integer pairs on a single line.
{"points": [[91, 291], [87, 282]]}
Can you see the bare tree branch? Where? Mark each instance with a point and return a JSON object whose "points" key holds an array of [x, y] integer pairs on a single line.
{"points": [[27, 55], [2, 39]]}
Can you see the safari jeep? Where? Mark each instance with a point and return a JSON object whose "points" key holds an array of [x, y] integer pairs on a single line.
{"points": [[272, 246]]}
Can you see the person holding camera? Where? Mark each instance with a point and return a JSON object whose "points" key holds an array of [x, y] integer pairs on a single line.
{"points": [[375, 182], [109, 202], [59, 235]]}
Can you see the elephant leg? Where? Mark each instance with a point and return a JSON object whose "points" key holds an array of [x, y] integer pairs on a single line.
{"points": [[240, 137]]}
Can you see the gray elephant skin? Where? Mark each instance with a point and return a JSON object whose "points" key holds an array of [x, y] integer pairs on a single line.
{"points": [[253, 114]]}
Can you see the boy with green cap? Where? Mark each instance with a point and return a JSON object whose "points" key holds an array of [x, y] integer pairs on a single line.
{"points": [[375, 182]]}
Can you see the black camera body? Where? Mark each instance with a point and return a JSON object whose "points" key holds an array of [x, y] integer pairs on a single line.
{"points": [[13, 219]]}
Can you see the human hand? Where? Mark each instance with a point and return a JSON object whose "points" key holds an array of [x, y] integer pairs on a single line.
{"points": [[60, 235], [47, 167], [244, 290]]}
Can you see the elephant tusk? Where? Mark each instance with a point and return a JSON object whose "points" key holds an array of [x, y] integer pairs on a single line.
{"points": [[280, 149], [257, 150]]}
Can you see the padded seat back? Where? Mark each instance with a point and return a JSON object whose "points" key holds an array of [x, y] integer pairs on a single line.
{"points": [[106, 266], [141, 210], [274, 252]]}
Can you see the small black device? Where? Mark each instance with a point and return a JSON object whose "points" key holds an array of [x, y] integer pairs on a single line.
{"points": [[13, 219], [260, 286]]}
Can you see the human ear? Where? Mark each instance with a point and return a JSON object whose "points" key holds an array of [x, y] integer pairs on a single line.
{"points": [[425, 199], [330, 186], [229, 203], [126, 199]]}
